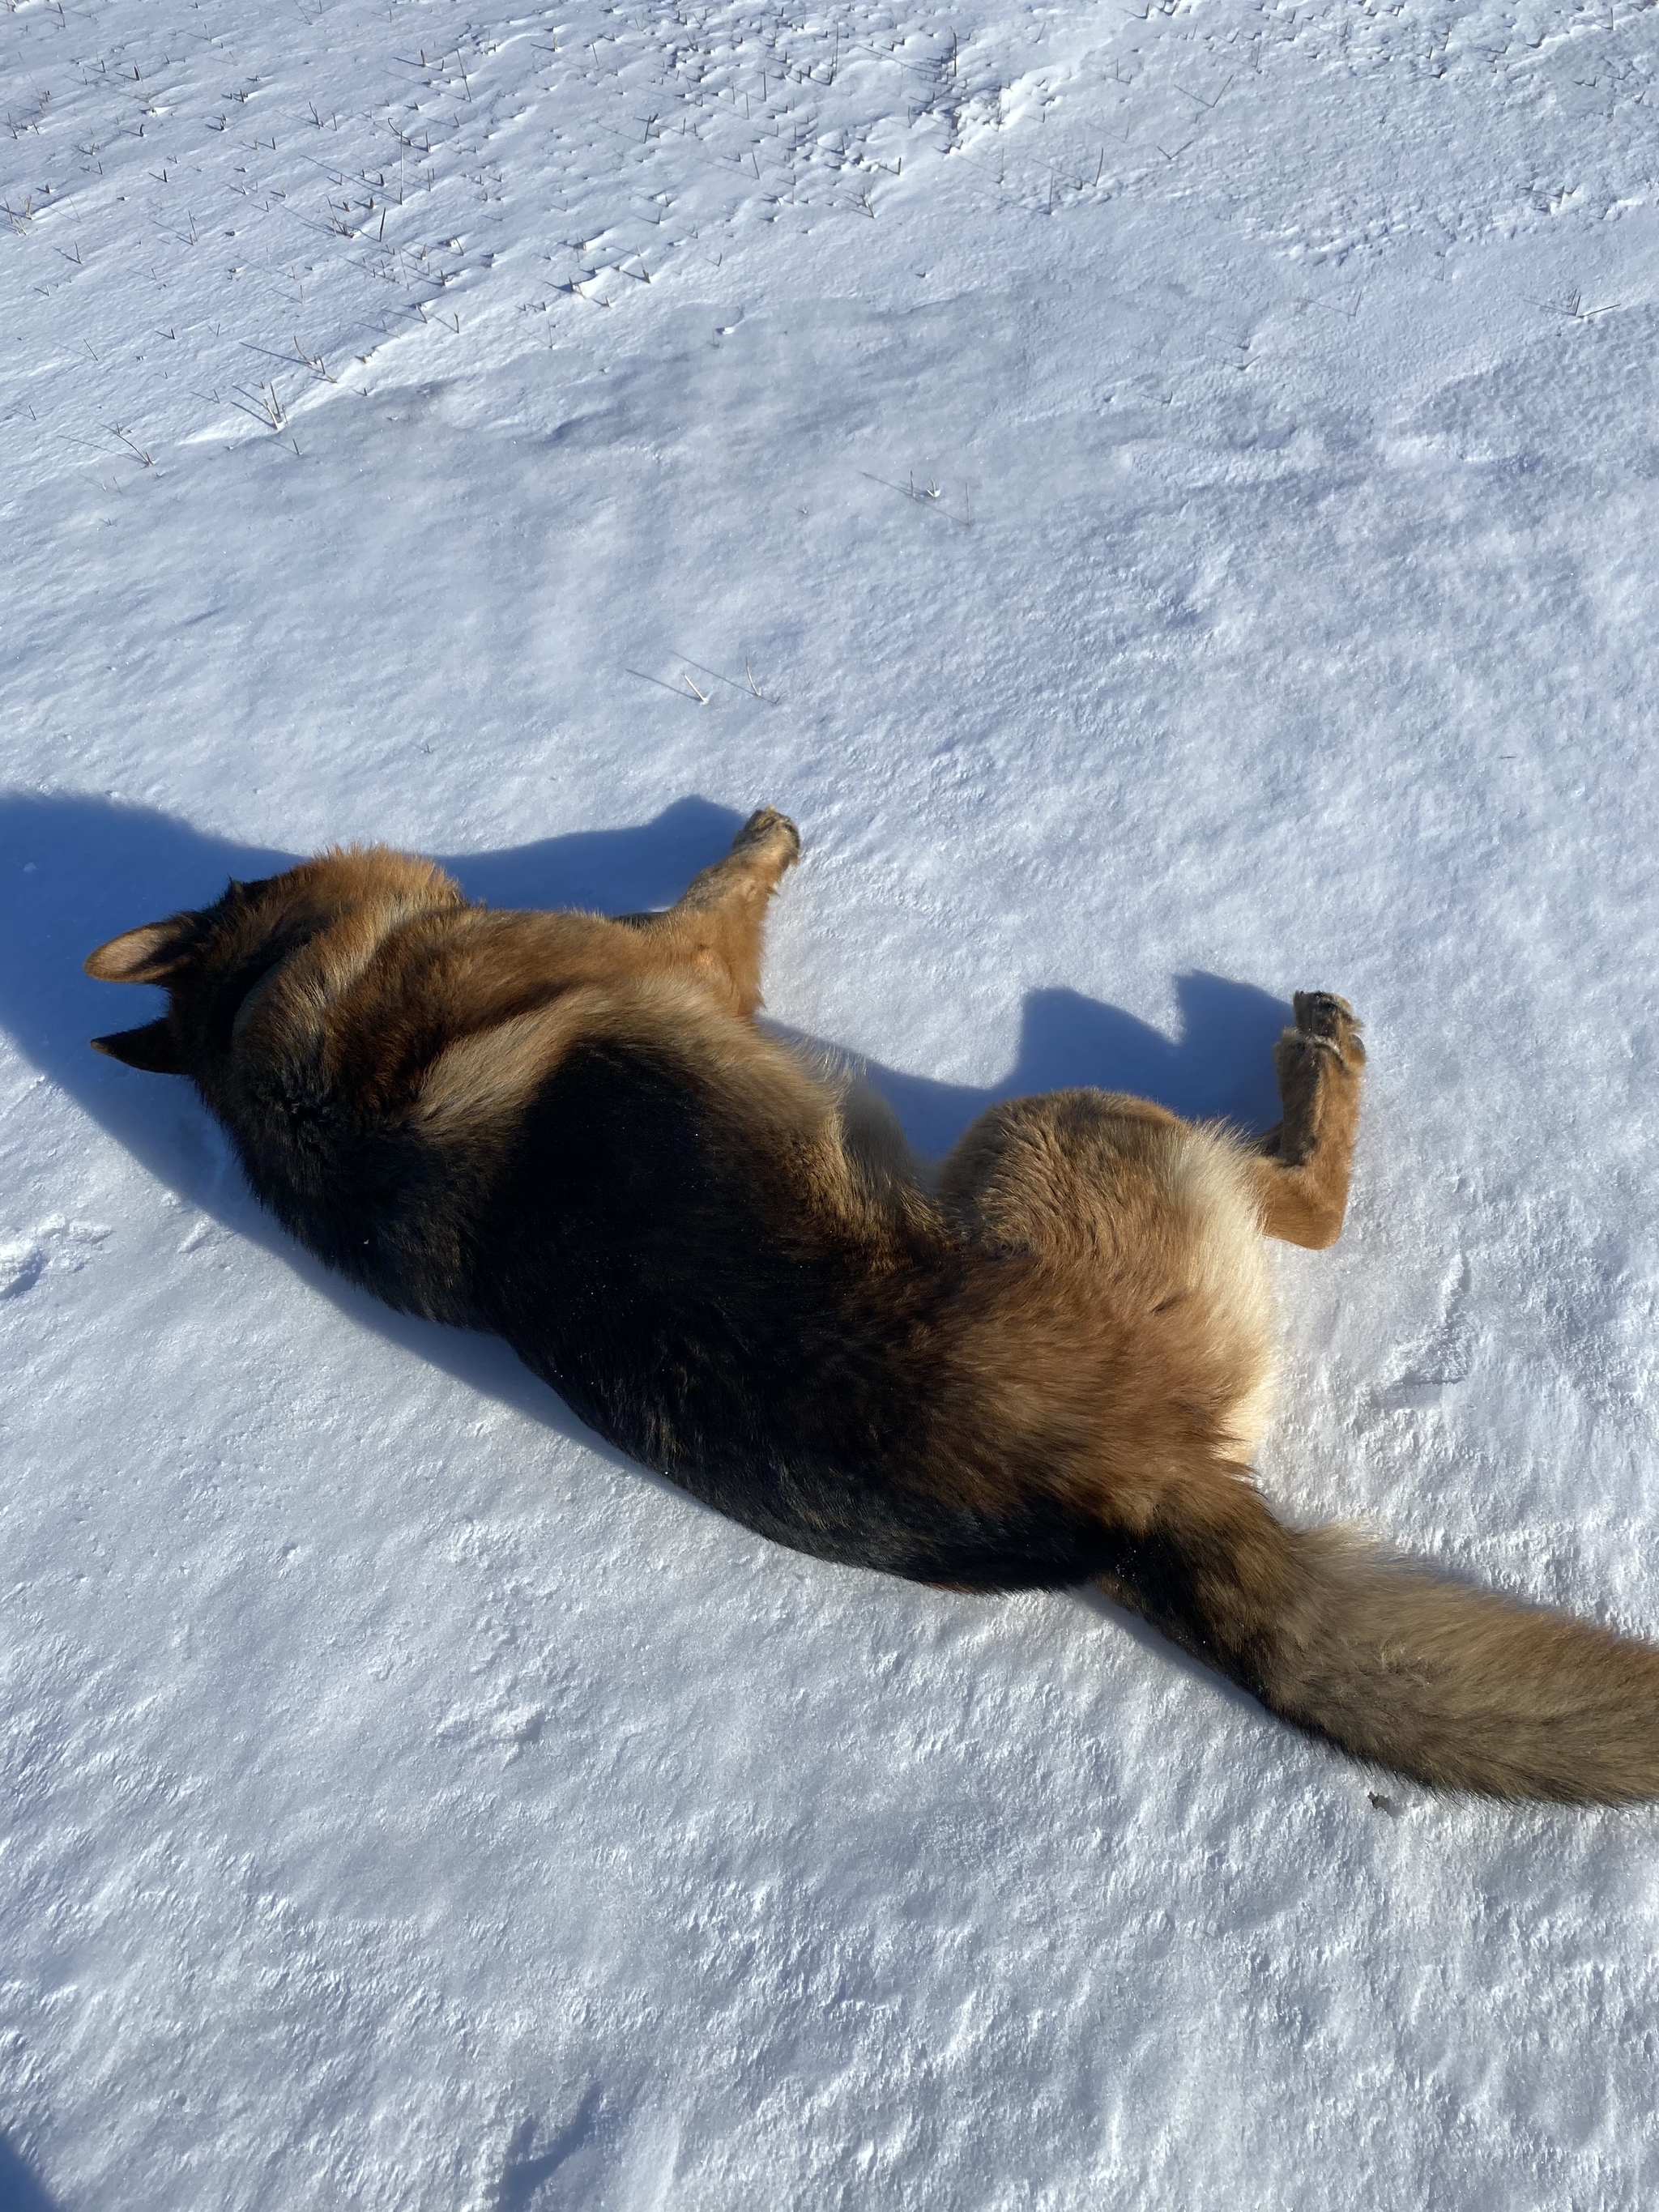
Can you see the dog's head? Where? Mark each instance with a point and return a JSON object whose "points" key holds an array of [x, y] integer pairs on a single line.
{"points": [[212, 961]]}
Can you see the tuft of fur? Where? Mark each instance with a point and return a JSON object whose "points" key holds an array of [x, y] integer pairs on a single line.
{"points": [[1455, 1687], [1046, 1362]]}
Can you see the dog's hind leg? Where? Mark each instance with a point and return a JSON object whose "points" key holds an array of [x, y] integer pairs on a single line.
{"points": [[1302, 1164], [718, 926]]}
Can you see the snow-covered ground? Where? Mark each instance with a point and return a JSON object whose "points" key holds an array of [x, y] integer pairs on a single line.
{"points": [[1168, 500]]}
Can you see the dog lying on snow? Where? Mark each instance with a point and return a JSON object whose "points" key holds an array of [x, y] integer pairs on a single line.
{"points": [[1048, 1362]]}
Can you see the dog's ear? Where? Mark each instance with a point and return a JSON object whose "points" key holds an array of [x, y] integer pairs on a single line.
{"points": [[151, 1047], [149, 955]]}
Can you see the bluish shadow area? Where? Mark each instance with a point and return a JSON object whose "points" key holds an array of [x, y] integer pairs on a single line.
{"points": [[1219, 1068], [19, 2190], [74, 870], [572, 2155]]}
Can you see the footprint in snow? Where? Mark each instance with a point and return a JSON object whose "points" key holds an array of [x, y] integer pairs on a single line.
{"points": [[24, 1260], [1443, 1356], [499, 1727], [21, 1265]]}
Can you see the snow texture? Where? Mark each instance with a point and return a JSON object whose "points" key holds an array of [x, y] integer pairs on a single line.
{"points": [[1168, 500]]}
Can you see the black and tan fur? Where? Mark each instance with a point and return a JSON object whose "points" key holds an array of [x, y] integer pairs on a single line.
{"points": [[1048, 1362]]}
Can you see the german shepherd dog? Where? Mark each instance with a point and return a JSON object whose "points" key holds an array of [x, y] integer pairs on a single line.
{"points": [[1046, 1362]]}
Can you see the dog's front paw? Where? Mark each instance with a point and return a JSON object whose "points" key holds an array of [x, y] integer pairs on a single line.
{"points": [[1323, 1019], [768, 834]]}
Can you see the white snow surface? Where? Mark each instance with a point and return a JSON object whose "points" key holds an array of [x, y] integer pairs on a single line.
{"points": [[1168, 500]]}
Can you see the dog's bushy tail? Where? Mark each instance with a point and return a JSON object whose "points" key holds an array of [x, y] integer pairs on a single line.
{"points": [[1457, 1687]]}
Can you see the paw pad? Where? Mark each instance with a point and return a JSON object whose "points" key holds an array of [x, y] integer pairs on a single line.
{"points": [[766, 826], [1322, 1018]]}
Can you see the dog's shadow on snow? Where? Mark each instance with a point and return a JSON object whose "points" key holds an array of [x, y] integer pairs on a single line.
{"points": [[19, 2191], [74, 870]]}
